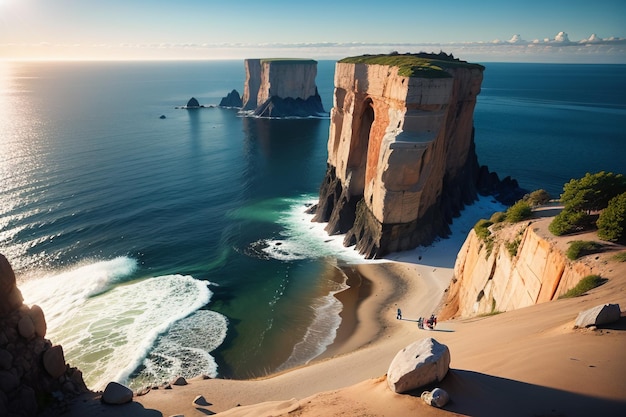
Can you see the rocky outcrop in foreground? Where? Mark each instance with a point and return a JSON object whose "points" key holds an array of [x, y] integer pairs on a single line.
{"points": [[281, 88], [33, 372], [401, 157]]}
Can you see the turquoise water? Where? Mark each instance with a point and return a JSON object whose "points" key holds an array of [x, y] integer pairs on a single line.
{"points": [[180, 245]]}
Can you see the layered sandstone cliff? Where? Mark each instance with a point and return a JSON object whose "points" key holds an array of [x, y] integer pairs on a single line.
{"points": [[281, 88], [492, 276], [401, 158]]}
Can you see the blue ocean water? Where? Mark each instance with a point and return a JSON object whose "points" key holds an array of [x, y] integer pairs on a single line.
{"points": [[180, 245]]}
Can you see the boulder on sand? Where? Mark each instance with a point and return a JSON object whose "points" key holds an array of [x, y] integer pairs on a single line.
{"points": [[421, 363], [599, 315], [116, 393]]}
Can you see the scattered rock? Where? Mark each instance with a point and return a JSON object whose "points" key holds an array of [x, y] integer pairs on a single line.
{"points": [[200, 400], [26, 327], [421, 363], [116, 393], [39, 320], [599, 315], [437, 397], [54, 361], [179, 381], [162, 116], [8, 381]]}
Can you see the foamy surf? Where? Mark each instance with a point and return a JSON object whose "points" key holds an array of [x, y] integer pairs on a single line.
{"points": [[107, 327]]}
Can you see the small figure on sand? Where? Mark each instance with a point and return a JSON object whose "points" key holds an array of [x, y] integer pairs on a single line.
{"points": [[431, 322], [420, 323], [399, 315]]}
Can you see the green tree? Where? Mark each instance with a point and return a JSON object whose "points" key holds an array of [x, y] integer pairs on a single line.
{"points": [[537, 197], [518, 212], [612, 221], [593, 191], [569, 221]]}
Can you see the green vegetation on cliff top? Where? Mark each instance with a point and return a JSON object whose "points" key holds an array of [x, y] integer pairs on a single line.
{"points": [[420, 65], [289, 60]]}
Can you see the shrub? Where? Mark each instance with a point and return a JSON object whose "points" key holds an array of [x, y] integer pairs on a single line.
{"points": [[612, 221], [518, 212], [497, 217], [537, 197], [620, 257], [569, 221], [587, 283], [512, 247], [580, 248], [482, 229]]}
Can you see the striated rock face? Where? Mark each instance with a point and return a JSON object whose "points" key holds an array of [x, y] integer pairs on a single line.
{"points": [[493, 280], [33, 372], [401, 158], [281, 88]]}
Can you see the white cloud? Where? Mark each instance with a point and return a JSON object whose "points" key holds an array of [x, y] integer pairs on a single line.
{"points": [[516, 39]]}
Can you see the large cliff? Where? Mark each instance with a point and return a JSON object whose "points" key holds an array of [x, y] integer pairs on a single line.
{"points": [[401, 158], [492, 276], [281, 88]]}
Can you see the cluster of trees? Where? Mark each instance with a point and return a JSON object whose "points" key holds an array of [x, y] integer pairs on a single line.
{"points": [[595, 200]]}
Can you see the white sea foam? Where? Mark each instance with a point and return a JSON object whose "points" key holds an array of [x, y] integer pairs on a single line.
{"points": [[107, 327], [322, 331]]}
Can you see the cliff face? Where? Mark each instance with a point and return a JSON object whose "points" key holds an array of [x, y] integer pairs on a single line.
{"points": [[487, 280], [281, 87], [401, 159]]}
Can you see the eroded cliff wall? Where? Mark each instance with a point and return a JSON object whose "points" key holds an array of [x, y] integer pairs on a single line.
{"points": [[401, 159], [488, 277]]}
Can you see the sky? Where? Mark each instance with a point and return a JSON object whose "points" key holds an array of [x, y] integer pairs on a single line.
{"points": [[481, 30]]}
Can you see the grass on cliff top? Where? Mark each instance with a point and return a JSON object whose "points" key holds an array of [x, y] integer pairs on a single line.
{"points": [[289, 60], [586, 284], [420, 65]]}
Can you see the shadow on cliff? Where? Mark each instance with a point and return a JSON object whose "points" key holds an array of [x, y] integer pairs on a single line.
{"points": [[478, 394]]}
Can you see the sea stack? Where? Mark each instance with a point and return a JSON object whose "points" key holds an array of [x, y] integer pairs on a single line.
{"points": [[281, 88], [401, 158]]}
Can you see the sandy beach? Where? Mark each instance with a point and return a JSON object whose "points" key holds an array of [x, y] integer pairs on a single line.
{"points": [[528, 362]]}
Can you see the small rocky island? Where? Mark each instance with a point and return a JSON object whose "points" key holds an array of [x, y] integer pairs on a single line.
{"points": [[281, 88], [401, 156]]}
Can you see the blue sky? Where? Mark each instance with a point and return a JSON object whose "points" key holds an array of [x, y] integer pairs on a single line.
{"points": [[323, 29]]}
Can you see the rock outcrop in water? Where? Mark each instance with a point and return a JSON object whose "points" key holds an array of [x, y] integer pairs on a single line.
{"points": [[281, 88], [401, 158], [33, 372], [232, 99]]}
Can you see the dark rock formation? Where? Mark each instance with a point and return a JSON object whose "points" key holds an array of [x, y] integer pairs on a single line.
{"points": [[290, 107], [33, 372], [193, 103], [232, 99]]}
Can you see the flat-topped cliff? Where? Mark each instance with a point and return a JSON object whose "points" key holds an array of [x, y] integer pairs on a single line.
{"points": [[281, 88], [401, 158]]}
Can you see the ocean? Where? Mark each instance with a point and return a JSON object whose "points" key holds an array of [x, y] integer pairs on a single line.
{"points": [[180, 245]]}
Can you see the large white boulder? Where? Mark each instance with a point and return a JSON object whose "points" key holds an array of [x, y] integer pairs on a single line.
{"points": [[602, 314], [421, 363]]}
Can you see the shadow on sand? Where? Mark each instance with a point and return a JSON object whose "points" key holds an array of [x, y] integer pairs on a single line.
{"points": [[477, 394]]}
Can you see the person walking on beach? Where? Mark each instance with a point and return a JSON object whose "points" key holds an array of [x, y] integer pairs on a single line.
{"points": [[399, 315]]}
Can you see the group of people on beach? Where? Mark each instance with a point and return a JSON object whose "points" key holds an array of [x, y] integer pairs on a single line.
{"points": [[430, 322]]}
